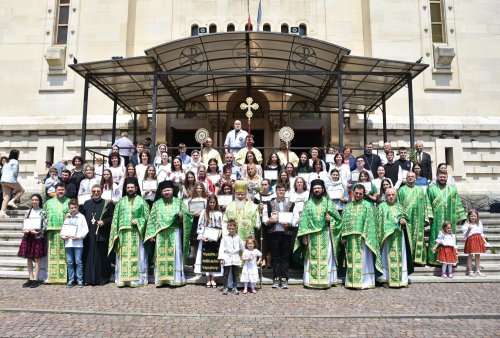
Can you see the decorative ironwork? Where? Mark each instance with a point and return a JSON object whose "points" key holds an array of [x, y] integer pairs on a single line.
{"points": [[303, 58], [192, 57], [240, 52]]}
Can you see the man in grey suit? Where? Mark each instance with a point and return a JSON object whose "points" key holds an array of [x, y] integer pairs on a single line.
{"points": [[424, 159]]}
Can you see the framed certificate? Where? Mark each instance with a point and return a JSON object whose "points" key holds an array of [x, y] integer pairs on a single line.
{"points": [[32, 224], [368, 186], [107, 195], [195, 206], [83, 198], [212, 234], [149, 185], [224, 199], [330, 158], [285, 217], [271, 174], [335, 194], [299, 206], [214, 178], [233, 177], [354, 177], [68, 229]]}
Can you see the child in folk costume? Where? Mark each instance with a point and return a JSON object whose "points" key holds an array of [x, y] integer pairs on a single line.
{"points": [[206, 257], [229, 256], [448, 253], [475, 243], [33, 243], [251, 259]]}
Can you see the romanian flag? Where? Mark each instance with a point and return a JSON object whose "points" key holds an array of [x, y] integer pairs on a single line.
{"points": [[259, 15]]}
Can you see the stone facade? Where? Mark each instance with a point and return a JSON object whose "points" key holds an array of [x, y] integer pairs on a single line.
{"points": [[455, 100]]}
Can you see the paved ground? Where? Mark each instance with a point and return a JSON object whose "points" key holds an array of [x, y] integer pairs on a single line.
{"points": [[422, 310]]}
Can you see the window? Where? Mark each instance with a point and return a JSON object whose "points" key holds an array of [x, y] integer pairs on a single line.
{"points": [[194, 30], [284, 28], [266, 27], [230, 27], [304, 110], [437, 21], [246, 27], [302, 30], [212, 28], [61, 36]]}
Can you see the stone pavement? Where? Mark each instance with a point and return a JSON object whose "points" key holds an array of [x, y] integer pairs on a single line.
{"points": [[422, 310]]}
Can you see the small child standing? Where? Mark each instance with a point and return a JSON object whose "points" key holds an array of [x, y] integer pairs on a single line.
{"points": [[50, 183], [475, 243], [448, 253], [74, 244], [229, 256], [251, 259]]}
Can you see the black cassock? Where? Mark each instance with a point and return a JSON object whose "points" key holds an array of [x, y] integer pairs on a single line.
{"points": [[97, 266]]}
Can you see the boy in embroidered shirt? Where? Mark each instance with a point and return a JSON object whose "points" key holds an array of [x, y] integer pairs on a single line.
{"points": [[74, 244]]}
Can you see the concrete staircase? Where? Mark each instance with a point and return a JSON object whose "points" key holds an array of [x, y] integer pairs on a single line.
{"points": [[12, 266]]}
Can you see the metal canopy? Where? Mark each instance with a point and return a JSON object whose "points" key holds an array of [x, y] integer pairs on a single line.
{"points": [[190, 68]]}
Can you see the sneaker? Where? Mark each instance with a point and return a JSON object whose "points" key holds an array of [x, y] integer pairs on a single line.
{"points": [[70, 284], [245, 291], [28, 283], [235, 291], [13, 205], [34, 284], [3, 214], [253, 291], [276, 283], [284, 283], [472, 274], [480, 274], [450, 275], [443, 275], [224, 291], [80, 284]]}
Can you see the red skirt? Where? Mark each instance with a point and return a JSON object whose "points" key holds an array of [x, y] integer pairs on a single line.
{"points": [[32, 247], [447, 255], [475, 245]]}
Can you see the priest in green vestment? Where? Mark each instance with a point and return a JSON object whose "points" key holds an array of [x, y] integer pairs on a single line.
{"points": [[244, 211], [127, 235], [414, 201], [56, 209], [169, 227], [397, 262], [444, 205], [319, 232], [361, 238]]}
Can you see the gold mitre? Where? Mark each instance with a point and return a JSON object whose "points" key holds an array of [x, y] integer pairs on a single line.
{"points": [[240, 186]]}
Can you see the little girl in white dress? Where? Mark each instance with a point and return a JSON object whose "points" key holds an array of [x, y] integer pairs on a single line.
{"points": [[251, 259]]}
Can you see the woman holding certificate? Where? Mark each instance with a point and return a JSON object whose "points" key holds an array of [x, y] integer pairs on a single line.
{"points": [[116, 167], [253, 180], [197, 203], [110, 191], [250, 159], [371, 193], [209, 235], [163, 168], [143, 166], [272, 168], [337, 190], [149, 185], [176, 174], [33, 243], [86, 184], [318, 172]]}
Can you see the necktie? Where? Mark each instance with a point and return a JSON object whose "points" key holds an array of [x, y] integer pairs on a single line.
{"points": [[419, 157]]}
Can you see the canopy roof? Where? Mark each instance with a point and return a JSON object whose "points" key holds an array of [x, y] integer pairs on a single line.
{"points": [[190, 68]]}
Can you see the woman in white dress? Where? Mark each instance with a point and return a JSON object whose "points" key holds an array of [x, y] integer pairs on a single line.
{"points": [[163, 168]]}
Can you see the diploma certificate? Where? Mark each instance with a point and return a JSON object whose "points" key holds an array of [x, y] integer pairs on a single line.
{"points": [[305, 176], [68, 230], [107, 195], [149, 185], [196, 206], [32, 224], [285, 217], [83, 198], [335, 194], [330, 158], [354, 177], [212, 234], [271, 174], [368, 186], [225, 199]]}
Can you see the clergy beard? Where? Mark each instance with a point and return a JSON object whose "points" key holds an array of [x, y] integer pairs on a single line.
{"points": [[317, 195], [240, 203], [131, 194]]}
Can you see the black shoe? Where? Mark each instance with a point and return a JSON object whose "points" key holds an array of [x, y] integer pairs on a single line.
{"points": [[70, 284], [80, 284], [28, 283], [34, 284]]}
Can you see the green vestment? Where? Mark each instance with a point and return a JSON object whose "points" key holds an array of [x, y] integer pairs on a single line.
{"points": [[246, 217], [414, 201], [56, 210], [126, 237], [321, 235], [391, 232], [444, 205], [358, 224], [162, 223]]}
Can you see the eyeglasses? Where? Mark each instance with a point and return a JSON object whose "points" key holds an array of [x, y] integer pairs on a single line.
{"points": [[96, 191]]}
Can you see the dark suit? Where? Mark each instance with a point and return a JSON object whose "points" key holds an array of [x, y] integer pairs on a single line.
{"points": [[372, 162], [426, 165], [135, 159]]}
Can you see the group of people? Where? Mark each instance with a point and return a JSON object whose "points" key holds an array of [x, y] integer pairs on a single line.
{"points": [[228, 218]]}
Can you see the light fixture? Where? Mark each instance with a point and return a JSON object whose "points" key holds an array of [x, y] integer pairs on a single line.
{"points": [[232, 91], [262, 90], [208, 94], [288, 94]]}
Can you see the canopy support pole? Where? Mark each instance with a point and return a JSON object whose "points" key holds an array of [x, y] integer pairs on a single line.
{"points": [[410, 109], [384, 118], [84, 116], [365, 125], [340, 111], [153, 114], [115, 112], [135, 127]]}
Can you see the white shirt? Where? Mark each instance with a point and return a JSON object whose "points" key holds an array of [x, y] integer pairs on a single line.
{"points": [[81, 231], [476, 229], [235, 141], [229, 249], [446, 240]]}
